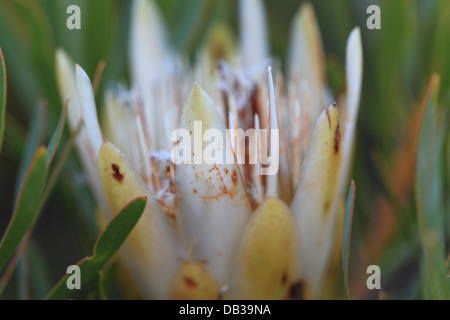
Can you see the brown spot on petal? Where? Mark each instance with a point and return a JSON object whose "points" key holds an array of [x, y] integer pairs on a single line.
{"points": [[337, 139], [297, 290], [326, 207], [284, 278], [190, 282], [117, 175]]}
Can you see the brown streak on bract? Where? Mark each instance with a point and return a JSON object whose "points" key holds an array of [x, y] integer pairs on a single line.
{"points": [[337, 139], [329, 119]]}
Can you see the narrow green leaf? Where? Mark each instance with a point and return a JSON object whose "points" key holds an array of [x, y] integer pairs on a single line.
{"points": [[448, 266], [40, 274], [34, 137], [106, 281], [56, 138], [195, 18], [347, 234], [52, 177], [40, 47], [54, 174], [106, 246], [2, 97], [26, 208], [20, 70]]}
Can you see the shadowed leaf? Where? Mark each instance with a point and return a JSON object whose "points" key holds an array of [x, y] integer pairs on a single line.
{"points": [[26, 208], [56, 138], [430, 198], [347, 234], [106, 246], [2, 97], [33, 141]]}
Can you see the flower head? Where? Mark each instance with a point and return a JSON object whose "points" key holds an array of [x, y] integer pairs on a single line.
{"points": [[219, 229]]}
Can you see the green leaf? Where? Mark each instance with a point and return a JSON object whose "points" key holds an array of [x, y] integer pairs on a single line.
{"points": [[106, 246], [2, 97], [26, 208], [56, 138], [40, 49], [106, 281], [20, 70], [34, 136], [196, 16], [52, 177], [40, 274], [347, 234], [430, 199]]}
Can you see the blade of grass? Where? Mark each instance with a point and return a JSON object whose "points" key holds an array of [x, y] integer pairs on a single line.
{"points": [[33, 141], [106, 246], [20, 70], [53, 176], [40, 276], [25, 212], [2, 97], [195, 18], [40, 48], [56, 138], [430, 199], [448, 266], [347, 234], [15, 138], [98, 75]]}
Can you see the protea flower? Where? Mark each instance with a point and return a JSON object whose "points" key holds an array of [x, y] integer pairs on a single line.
{"points": [[221, 230]]}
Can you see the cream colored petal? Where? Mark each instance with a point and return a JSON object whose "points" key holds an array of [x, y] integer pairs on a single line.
{"points": [[272, 178], [194, 282], [65, 75], [253, 33], [266, 258], [354, 65], [67, 84], [354, 72], [88, 109], [211, 199], [315, 197], [150, 252], [306, 61], [148, 46]]}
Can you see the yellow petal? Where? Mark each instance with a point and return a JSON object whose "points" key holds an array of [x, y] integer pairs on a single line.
{"points": [[150, 252], [219, 45], [315, 197], [193, 282], [266, 258]]}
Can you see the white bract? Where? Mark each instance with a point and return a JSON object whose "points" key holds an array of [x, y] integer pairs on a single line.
{"points": [[216, 229]]}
